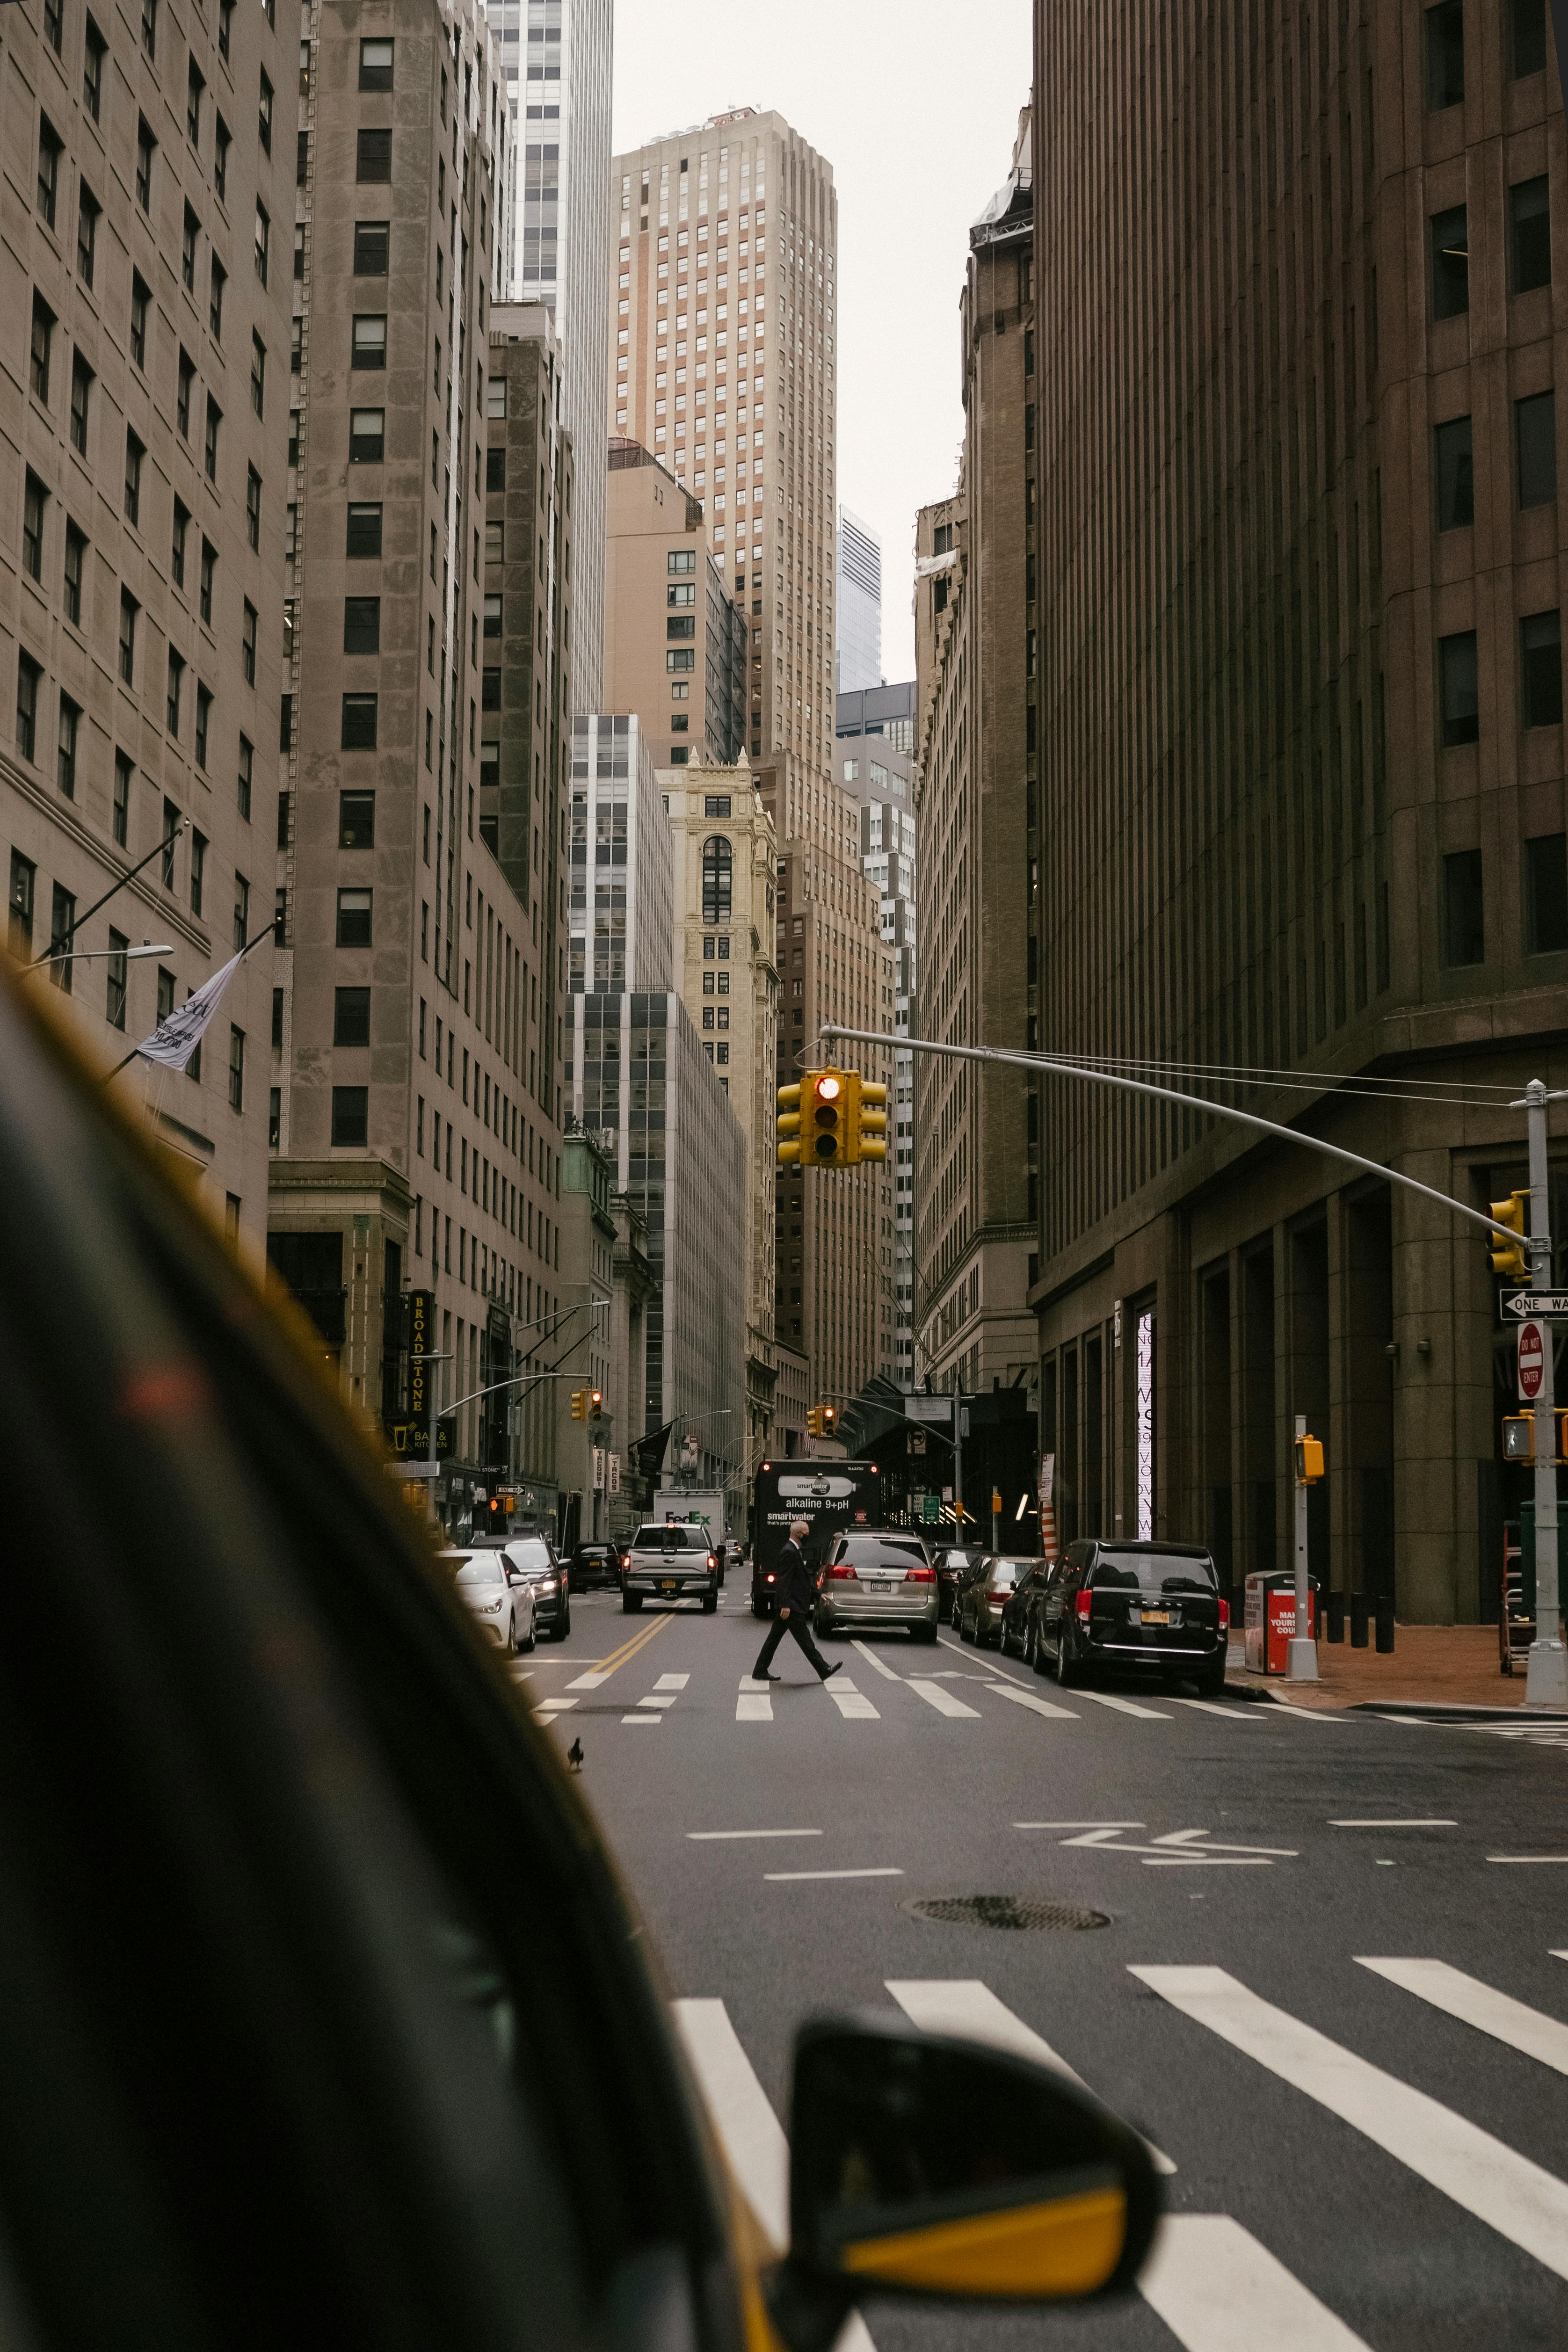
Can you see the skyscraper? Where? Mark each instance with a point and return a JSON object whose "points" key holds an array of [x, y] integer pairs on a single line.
{"points": [[621, 896], [556, 60], [883, 781], [859, 646], [674, 638]]}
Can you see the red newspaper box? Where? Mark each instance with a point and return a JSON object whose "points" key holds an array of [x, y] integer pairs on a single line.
{"points": [[1270, 1622]]}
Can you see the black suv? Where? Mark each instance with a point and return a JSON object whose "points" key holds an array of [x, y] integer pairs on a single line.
{"points": [[1149, 1607], [596, 1563]]}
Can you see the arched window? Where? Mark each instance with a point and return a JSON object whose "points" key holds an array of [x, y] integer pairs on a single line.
{"points": [[716, 864]]}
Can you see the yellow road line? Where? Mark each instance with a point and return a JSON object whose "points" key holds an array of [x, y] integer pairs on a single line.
{"points": [[639, 1641]]}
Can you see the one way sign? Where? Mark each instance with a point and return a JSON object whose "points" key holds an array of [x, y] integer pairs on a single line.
{"points": [[1529, 1305]]}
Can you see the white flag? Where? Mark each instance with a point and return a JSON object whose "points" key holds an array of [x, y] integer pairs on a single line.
{"points": [[175, 1039]]}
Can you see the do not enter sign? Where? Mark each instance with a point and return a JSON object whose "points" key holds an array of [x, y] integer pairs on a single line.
{"points": [[1532, 1360]]}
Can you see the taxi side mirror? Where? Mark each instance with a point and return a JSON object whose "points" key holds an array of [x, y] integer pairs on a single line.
{"points": [[927, 2166]]}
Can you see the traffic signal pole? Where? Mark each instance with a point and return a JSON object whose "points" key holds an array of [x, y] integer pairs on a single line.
{"points": [[1546, 1679]]}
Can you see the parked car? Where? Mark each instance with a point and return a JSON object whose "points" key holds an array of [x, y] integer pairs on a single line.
{"points": [[322, 1867], [954, 1565], [1153, 1608], [670, 1562], [547, 1575], [1019, 1606], [983, 1599], [877, 1577], [499, 1596], [595, 1563]]}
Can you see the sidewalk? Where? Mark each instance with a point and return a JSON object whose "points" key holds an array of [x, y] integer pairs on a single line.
{"points": [[1453, 1665]]}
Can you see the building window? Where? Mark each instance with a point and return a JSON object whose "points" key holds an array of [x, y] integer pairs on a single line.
{"points": [[43, 347], [495, 470], [373, 157], [198, 871], [1456, 485], [1527, 27], [1546, 894], [195, 85], [375, 64], [92, 69], [204, 712], [176, 680], [263, 116], [134, 453], [62, 923], [1444, 55], [351, 1016], [246, 776], [274, 1118], [492, 616], [150, 26], [372, 247], [1541, 665], [28, 675], [76, 563], [1450, 263], [356, 820], [350, 1116], [33, 500], [121, 808], [81, 389], [241, 911], [1464, 928], [301, 158], [87, 212], [263, 241], [490, 688], [495, 396], [48, 168], [248, 641], [220, 159], [1535, 444], [145, 143], [128, 611], [363, 534], [117, 967], [361, 625], [188, 236], [716, 805], [353, 919], [140, 296], [359, 720], [65, 750], [717, 863], [1459, 688], [367, 430], [235, 1069], [370, 340], [209, 453], [258, 374], [1528, 235], [253, 507], [185, 379], [205, 591]]}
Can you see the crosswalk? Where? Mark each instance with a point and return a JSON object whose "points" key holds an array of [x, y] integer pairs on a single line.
{"points": [[1215, 2286]]}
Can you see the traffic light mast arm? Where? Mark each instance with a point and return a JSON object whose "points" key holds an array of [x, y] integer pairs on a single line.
{"points": [[1068, 1069]]}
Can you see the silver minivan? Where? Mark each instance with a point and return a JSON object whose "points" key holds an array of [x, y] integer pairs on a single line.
{"points": [[879, 1577]]}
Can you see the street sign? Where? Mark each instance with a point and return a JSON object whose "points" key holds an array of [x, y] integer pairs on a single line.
{"points": [[930, 1509], [1532, 1360], [1551, 1305]]}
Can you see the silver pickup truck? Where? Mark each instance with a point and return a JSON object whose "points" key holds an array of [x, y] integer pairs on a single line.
{"points": [[670, 1563]]}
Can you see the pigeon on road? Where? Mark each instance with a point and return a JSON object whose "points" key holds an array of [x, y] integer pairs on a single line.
{"points": [[575, 1756]]}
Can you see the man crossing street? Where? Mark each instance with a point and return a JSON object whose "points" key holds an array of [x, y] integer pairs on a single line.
{"points": [[795, 1590]]}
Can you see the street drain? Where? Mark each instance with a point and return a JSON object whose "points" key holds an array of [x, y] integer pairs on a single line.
{"points": [[1028, 1913]]}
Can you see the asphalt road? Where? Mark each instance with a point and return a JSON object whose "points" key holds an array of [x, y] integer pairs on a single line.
{"points": [[1362, 2154]]}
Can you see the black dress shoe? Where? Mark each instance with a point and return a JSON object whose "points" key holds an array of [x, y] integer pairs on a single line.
{"points": [[838, 1669], [767, 1678]]}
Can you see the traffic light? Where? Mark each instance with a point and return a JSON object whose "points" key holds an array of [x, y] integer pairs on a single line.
{"points": [[1508, 1239], [595, 1404], [824, 1130], [813, 1420], [869, 1119], [1309, 1461], [579, 1405], [830, 1421], [789, 1125]]}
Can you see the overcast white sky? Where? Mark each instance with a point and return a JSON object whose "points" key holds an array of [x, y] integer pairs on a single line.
{"points": [[916, 111]]}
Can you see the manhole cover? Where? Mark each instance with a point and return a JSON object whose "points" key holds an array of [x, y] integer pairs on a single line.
{"points": [[1018, 1911]]}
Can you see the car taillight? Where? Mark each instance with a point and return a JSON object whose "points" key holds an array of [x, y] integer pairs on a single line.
{"points": [[842, 1567], [1224, 1615], [920, 1576], [771, 1577], [1080, 1604], [711, 1561]]}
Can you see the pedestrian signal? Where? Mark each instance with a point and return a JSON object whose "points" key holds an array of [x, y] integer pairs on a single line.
{"points": [[1309, 1461], [1508, 1238], [1519, 1437], [789, 1125], [579, 1405]]}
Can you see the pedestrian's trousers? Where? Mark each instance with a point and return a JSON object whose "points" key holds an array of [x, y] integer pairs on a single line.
{"points": [[799, 1624]]}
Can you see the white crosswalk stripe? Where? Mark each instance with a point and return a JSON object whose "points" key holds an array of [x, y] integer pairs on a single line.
{"points": [[1482, 2174], [1217, 2289], [852, 1704], [1123, 1706], [944, 1700], [1477, 2004], [756, 1703], [1035, 1706]]}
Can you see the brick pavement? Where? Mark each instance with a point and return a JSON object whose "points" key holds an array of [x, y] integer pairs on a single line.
{"points": [[1457, 1664]]}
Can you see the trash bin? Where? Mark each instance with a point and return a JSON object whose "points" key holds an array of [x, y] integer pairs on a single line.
{"points": [[1270, 1624]]}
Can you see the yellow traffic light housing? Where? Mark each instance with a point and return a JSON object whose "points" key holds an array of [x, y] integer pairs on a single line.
{"points": [[595, 1404], [1309, 1461], [824, 1126], [870, 1120], [1519, 1437], [813, 1420], [579, 1405], [1508, 1238], [789, 1126]]}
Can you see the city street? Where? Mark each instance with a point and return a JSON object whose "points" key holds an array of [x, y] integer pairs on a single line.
{"points": [[1331, 1985]]}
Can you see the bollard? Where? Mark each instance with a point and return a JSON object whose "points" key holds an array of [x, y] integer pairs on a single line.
{"points": [[1358, 1621], [1336, 1616], [1385, 1622]]}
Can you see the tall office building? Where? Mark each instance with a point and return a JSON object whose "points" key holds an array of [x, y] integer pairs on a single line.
{"points": [[859, 647], [416, 1056], [675, 639], [557, 58], [883, 783], [621, 896], [726, 971], [976, 1127], [724, 367], [885, 710], [1320, 824], [146, 413]]}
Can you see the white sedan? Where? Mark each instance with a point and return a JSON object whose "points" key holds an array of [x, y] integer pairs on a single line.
{"points": [[501, 1598]]}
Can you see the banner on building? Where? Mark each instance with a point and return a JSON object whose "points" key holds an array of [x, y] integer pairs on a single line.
{"points": [[179, 1034]]}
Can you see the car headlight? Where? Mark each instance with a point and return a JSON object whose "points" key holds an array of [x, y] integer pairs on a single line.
{"points": [[545, 1584], [490, 1608]]}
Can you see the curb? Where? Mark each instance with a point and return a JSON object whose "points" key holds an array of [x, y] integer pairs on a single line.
{"points": [[1455, 1711]]}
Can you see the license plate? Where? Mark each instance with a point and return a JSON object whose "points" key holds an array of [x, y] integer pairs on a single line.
{"points": [[1156, 1617], [669, 1585], [878, 1584]]}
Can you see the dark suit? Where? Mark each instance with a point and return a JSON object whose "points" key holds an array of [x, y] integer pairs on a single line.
{"points": [[795, 1590]]}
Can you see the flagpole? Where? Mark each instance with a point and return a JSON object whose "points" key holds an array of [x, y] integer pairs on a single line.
{"points": [[235, 959]]}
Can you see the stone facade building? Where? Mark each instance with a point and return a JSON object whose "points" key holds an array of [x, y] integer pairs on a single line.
{"points": [[976, 1126], [727, 978], [1302, 764], [675, 641], [143, 454], [415, 1038]]}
